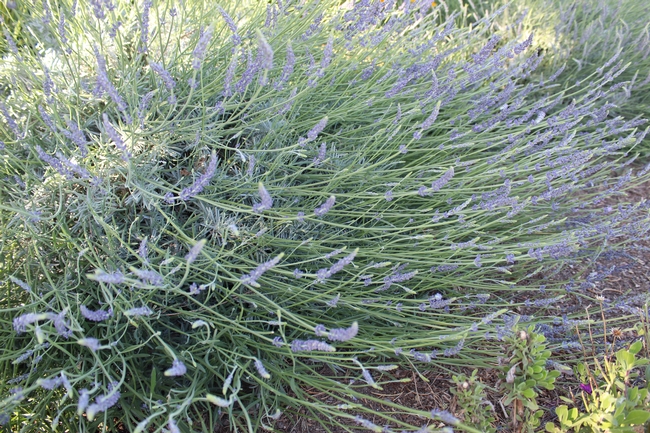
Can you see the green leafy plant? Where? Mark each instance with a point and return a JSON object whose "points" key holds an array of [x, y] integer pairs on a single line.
{"points": [[475, 409], [615, 396], [524, 375]]}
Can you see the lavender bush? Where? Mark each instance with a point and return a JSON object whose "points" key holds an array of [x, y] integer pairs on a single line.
{"points": [[581, 40], [208, 210]]}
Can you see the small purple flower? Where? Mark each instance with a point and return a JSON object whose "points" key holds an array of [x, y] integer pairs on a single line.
{"points": [[231, 25], [318, 160], [523, 45], [202, 181], [443, 180], [201, 47], [266, 201], [61, 28], [46, 118], [586, 388], [261, 370], [265, 51], [277, 342], [195, 251], [431, 118], [389, 195], [11, 43], [23, 285], [116, 138], [98, 9], [172, 426], [91, 343], [366, 423], [251, 279], [50, 383], [152, 277], [313, 133], [103, 402], [368, 377], [164, 74], [343, 334], [105, 84], [95, 316], [320, 330], [334, 301], [144, 32], [177, 369], [327, 53], [287, 70], [325, 207], [21, 322], [444, 416], [139, 311], [84, 399], [10, 120], [108, 277], [311, 345]]}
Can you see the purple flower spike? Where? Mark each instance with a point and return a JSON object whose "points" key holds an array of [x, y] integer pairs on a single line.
{"points": [[50, 383], [104, 82], [195, 251], [21, 322], [137, 312], [202, 181], [261, 370], [108, 277], [311, 345], [103, 402], [266, 200], [84, 399], [343, 334], [236, 40], [313, 133], [444, 179], [251, 279], [265, 52], [177, 369], [91, 343], [95, 316], [164, 74], [325, 207], [201, 47], [116, 138], [23, 285]]}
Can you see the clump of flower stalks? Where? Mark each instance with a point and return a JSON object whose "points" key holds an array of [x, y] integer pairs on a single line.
{"points": [[582, 39], [204, 206]]}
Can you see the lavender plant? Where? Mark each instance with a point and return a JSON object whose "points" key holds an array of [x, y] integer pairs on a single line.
{"points": [[582, 39], [201, 206]]}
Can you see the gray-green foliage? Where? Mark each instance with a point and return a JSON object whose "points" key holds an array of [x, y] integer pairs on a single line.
{"points": [[242, 219], [578, 38], [471, 398], [524, 376]]}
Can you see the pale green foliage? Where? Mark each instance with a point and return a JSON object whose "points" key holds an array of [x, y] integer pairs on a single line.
{"points": [[524, 375], [619, 397], [476, 410]]}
